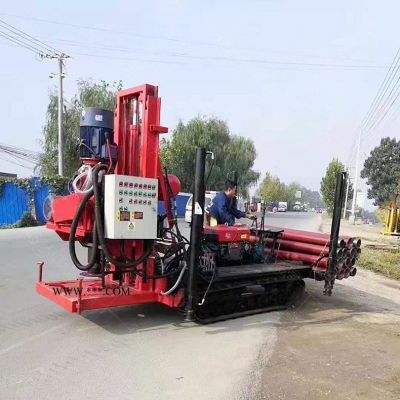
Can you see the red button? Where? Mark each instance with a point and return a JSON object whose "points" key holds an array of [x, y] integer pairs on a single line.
{"points": [[130, 184]]}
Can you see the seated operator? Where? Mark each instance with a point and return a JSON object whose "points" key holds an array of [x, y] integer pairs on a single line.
{"points": [[223, 208]]}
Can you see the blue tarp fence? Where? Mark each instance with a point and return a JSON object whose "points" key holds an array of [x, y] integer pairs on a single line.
{"points": [[15, 201]]}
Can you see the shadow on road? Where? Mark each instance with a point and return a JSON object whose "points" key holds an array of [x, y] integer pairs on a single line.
{"points": [[311, 308]]}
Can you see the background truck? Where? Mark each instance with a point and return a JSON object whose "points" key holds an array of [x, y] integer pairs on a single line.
{"points": [[282, 206]]}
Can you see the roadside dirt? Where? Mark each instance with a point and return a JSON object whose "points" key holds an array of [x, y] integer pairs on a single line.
{"points": [[369, 234], [343, 347]]}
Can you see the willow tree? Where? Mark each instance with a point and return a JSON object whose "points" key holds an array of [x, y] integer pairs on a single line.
{"points": [[90, 94]]}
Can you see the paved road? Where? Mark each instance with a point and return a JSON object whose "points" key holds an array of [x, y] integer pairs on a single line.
{"points": [[146, 352]]}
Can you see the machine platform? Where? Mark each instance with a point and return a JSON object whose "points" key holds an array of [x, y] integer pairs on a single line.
{"points": [[80, 295], [262, 270]]}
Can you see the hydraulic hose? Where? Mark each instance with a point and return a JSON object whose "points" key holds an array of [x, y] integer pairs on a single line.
{"points": [[100, 227], [176, 284], [72, 251]]}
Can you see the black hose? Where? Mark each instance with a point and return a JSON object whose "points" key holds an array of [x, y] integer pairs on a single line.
{"points": [[100, 228], [72, 251]]}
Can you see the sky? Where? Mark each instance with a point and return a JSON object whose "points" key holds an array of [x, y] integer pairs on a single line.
{"points": [[297, 77]]}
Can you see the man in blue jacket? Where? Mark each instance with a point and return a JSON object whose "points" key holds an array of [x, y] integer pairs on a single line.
{"points": [[223, 208]]}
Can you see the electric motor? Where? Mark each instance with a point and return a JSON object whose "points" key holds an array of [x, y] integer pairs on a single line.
{"points": [[97, 134]]}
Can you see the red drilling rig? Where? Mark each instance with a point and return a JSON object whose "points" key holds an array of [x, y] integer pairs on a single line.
{"points": [[136, 256]]}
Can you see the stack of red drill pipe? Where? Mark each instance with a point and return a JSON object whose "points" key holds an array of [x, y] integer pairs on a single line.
{"points": [[312, 248]]}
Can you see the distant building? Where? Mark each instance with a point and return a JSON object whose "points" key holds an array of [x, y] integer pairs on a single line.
{"points": [[7, 175]]}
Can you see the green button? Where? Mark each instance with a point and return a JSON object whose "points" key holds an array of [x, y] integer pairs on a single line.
{"points": [[130, 193]]}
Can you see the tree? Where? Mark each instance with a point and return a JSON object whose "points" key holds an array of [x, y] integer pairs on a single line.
{"points": [[328, 183], [102, 95], [231, 154], [272, 189], [382, 171]]}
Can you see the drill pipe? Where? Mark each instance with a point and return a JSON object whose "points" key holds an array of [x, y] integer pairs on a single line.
{"points": [[300, 247], [309, 259], [347, 240]]}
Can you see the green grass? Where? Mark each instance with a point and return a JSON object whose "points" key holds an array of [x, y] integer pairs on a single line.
{"points": [[385, 262]]}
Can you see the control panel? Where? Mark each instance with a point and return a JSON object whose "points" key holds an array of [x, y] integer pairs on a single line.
{"points": [[130, 207]]}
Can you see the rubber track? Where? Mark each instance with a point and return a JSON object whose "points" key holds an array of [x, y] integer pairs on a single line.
{"points": [[234, 296]]}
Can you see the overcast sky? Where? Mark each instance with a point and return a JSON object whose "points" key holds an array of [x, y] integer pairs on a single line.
{"points": [[297, 77]]}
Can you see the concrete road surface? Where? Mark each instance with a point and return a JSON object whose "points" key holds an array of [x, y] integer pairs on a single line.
{"points": [[147, 352]]}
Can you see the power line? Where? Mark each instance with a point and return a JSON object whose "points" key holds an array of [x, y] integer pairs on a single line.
{"points": [[191, 56], [29, 42], [185, 56], [19, 43], [382, 89], [29, 38], [379, 108]]}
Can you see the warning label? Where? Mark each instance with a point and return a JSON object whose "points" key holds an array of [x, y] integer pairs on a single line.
{"points": [[137, 215], [131, 226], [197, 209]]}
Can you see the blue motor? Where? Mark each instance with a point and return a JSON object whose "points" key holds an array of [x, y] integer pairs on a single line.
{"points": [[96, 127]]}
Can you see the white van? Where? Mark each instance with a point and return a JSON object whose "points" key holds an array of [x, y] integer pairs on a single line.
{"points": [[210, 194], [188, 212]]}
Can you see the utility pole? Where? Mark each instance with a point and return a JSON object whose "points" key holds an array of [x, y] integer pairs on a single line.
{"points": [[356, 173], [60, 117], [60, 59]]}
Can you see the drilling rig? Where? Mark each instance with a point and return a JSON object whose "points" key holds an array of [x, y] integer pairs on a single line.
{"points": [[136, 256]]}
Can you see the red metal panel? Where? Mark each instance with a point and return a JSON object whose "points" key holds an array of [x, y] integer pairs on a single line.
{"points": [[84, 295]]}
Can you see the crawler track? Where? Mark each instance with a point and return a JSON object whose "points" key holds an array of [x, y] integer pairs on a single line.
{"points": [[242, 298]]}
